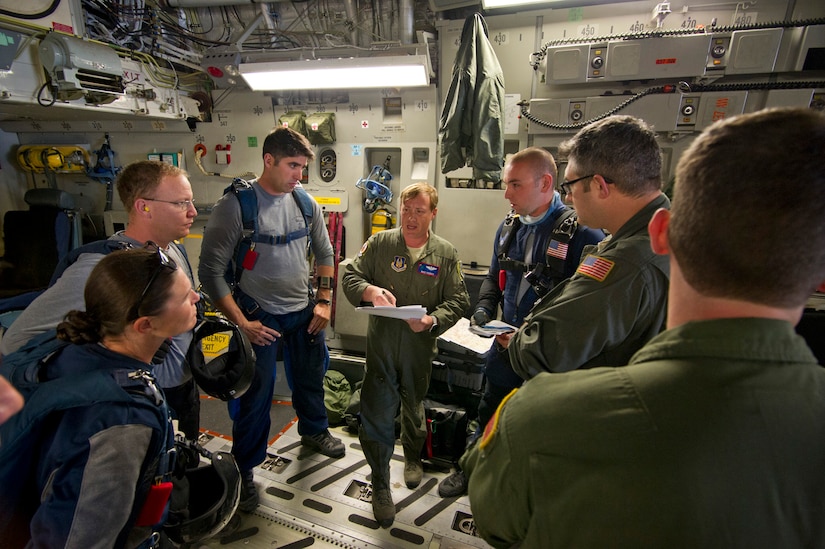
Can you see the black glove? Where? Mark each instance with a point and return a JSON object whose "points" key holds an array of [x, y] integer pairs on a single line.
{"points": [[163, 350], [480, 317]]}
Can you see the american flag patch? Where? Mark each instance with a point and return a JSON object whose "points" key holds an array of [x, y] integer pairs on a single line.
{"points": [[595, 267], [557, 249]]}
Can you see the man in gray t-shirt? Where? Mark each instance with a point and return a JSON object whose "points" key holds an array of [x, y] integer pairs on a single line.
{"points": [[273, 302]]}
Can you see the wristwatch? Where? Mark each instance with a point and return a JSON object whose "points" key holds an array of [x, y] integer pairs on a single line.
{"points": [[323, 301], [435, 324]]}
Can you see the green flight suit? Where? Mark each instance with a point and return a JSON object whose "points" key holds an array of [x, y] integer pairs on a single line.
{"points": [[712, 437], [398, 360]]}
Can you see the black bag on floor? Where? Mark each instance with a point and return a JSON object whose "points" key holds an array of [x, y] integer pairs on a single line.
{"points": [[446, 430]]}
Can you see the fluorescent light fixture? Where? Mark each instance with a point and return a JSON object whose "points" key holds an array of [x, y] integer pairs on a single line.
{"points": [[394, 71]]}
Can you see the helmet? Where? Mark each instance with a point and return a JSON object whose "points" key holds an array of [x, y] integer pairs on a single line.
{"points": [[204, 498], [228, 375]]}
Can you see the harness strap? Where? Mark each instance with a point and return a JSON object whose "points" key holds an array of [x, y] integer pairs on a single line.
{"points": [[281, 239], [550, 270], [508, 233], [563, 231], [250, 237], [143, 382], [515, 265]]}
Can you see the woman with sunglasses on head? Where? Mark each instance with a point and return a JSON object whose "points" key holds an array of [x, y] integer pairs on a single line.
{"points": [[97, 470]]}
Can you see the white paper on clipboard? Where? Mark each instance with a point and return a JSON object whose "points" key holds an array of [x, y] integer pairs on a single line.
{"points": [[405, 312]]}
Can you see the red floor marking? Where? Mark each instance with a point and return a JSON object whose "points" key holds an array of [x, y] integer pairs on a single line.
{"points": [[284, 430]]}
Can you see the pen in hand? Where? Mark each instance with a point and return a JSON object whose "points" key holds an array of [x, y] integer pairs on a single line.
{"points": [[388, 297]]}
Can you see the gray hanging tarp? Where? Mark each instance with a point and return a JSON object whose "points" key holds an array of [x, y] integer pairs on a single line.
{"points": [[472, 121]]}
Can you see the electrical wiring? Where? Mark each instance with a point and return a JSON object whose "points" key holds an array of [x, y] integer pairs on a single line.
{"points": [[313, 27], [161, 77], [139, 26], [227, 27], [171, 29], [124, 26], [40, 100], [186, 35], [170, 43], [151, 68], [104, 34], [131, 26], [267, 38], [196, 22], [192, 56], [237, 15], [299, 17]]}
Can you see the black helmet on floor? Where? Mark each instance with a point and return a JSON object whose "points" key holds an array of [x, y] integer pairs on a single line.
{"points": [[204, 497], [227, 375]]}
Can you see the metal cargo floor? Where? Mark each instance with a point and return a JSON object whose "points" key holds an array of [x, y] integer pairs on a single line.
{"points": [[308, 500]]}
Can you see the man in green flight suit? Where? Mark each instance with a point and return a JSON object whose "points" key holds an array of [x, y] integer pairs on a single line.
{"points": [[408, 265], [714, 435], [616, 300]]}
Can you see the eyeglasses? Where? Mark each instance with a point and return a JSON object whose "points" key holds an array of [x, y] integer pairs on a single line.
{"points": [[164, 262], [182, 205], [565, 185]]}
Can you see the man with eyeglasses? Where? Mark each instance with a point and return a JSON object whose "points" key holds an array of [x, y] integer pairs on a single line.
{"points": [[617, 299], [712, 435], [538, 245], [158, 198]]}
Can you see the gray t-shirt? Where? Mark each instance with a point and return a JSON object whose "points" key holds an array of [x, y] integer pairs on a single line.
{"points": [[279, 279]]}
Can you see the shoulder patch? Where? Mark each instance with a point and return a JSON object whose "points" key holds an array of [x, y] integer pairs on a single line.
{"points": [[595, 267], [399, 264], [491, 428], [557, 249], [363, 248]]}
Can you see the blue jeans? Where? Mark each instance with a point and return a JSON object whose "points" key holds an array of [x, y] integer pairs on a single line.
{"points": [[306, 359]]}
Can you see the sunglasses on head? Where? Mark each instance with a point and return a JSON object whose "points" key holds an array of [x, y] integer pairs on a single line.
{"points": [[164, 262]]}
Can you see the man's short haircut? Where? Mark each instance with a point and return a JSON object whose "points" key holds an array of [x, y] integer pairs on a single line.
{"points": [[747, 219], [537, 158], [285, 142], [622, 149], [140, 179], [411, 191]]}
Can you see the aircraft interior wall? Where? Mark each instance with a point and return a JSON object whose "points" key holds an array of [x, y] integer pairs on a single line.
{"points": [[547, 56]]}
